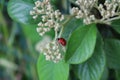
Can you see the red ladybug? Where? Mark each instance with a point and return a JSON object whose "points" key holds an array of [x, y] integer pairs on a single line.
{"points": [[62, 41]]}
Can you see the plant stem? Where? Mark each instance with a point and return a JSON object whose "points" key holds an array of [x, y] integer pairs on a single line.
{"points": [[69, 17], [2, 4], [118, 8], [56, 34], [12, 35], [4, 27], [63, 25], [115, 18], [61, 31]]}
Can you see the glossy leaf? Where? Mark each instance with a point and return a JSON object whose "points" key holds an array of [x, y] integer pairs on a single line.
{"points": [[52, 71], [31, 33], [116, 25], [105, 74], [81, 44], [117, 74], [93, 68], [112, 50], [70, 26], [19, 10]]}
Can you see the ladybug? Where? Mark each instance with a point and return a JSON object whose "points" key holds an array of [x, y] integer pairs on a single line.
{"points": [[62, 41]]}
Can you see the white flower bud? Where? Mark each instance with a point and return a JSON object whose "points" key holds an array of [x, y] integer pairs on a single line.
{"points": [[59, 56], [42, 33], [35, 17], [40, 24], [39, 29], [92, 17], [35, 8], [37, 3], [32, 12], [47, 57], [52, 52], [62, 18]]}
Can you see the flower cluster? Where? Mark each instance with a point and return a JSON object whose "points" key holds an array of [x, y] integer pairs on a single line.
{"points": [[51, 49], [42, 43], [50, 18], [110, 11], [84, 10], [52, 52], [107, 10]]}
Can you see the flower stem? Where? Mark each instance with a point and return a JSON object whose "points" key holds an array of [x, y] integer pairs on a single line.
{"points": [[63, 25], [115, 18], [61, 31], [56, 34], [4, 27]]}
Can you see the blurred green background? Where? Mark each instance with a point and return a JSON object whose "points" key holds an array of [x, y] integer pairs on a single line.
{"points": [[18, 56]]}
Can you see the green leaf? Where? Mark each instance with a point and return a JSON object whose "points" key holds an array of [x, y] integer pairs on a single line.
{"points": [[93, 68], [70, 26], [31, 33], [105, 74], [116, 25], [19, 10], [52, 71], [112, 49], [117, 74], [81, 44]]}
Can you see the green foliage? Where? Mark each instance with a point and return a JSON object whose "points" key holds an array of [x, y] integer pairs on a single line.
{"points": [[70, 26], [112, 50], [116, 25], [54, 71], [81, 44], [93, 68], [118, 75], [30, 33], [93, 55], [19, 10]]}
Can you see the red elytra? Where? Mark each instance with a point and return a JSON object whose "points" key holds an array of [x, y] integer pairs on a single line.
{"points": [[62, 41]]}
